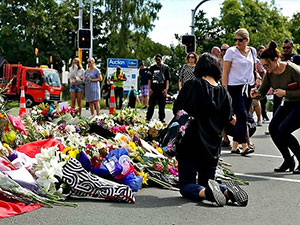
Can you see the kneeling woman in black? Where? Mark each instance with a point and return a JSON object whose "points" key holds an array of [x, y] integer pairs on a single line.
{"points": [[198, 153]]}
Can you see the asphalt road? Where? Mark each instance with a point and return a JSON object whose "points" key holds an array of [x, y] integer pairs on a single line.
{"points": [[273, 199]]}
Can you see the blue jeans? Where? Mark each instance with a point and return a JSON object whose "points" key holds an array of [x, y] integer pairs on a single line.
{"points": [[188, 186], [285, 121], [241, 106], [76, 88]]}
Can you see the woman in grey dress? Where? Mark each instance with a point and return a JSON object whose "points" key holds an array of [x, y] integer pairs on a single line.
{"points": [[92, 80]]}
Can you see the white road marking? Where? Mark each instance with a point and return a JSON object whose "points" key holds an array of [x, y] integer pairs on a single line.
{"points": [[267, 177], [261, 155]]}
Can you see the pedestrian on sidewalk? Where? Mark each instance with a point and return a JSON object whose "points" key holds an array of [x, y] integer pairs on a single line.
{"points": [[143, 76], [284, 78], [199, 151], [118, 79], [92, 86], [132, 96], [238, 76], [76, 81], [158, 84], [187, 70]]}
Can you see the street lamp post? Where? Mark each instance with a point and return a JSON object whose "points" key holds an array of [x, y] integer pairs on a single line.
{"points": [[193, 16]]}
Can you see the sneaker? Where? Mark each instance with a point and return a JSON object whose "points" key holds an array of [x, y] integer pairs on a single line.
{"points": [[218, 196], [236, 193], [259, 124]]}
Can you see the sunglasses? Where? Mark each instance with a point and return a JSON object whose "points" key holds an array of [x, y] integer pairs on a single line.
{"points": [[239, 39], [223, 50], [191, 57], [89, 61], [287, 47]]}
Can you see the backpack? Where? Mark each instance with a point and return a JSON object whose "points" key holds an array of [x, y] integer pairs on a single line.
{"points": [[174, 133]]}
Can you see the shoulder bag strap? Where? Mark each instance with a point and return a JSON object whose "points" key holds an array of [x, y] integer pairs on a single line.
{"points": [[254, 63]]}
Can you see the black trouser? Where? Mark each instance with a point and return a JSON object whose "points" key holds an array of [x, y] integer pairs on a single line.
{"points": [[241, 105], [157, 97], [263, 103], [276, 103], [119, 94], [188, 185], [283, 124]]}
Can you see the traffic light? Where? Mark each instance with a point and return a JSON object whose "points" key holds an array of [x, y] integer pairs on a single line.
{"points": [[84, 38], [72, 39], [190, 42]]}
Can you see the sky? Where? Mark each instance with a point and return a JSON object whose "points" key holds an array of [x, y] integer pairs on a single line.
{"points": [[175, 16]]}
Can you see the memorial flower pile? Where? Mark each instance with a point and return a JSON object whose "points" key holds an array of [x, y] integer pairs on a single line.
{"points": [[64, 155]]}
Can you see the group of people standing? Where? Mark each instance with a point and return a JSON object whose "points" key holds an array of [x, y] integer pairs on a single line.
{"points": [[214, 104], [91, 78]]}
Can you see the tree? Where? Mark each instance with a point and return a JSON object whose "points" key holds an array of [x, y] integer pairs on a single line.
{"points": [[175, 62], [264, 21], [208, 32], [295, 29], [26, 25], [125, 24]]}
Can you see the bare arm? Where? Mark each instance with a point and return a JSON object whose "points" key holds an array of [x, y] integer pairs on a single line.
{"points": [[180, 85], [226, 69], [149, 87]]}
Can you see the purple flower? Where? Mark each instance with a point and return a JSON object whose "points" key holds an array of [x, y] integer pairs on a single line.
{"points": [[62, 126], [77, 128], [135, 139]]}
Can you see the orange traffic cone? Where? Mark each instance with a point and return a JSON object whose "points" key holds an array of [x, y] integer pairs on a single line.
{"points": [[112, 100], [22, 102]]}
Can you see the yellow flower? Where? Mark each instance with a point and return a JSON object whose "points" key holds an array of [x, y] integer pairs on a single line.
{"points": [[160, 150], [123, 138], [131, 132], [145, 177], [132, 145], [2, 116], [73, 153], [65, 150]]}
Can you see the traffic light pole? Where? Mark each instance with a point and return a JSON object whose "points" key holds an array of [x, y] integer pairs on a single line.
{"points": [[80, 15], [193, 16], [91, 28]]}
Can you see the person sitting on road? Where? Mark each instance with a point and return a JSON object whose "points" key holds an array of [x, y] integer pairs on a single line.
{"points": [[284, 78], [199, 151]]}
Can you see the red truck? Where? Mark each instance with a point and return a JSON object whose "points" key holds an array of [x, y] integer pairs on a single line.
{"points": [[41, 84]]}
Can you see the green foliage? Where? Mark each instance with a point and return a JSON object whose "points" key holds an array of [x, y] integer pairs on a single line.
{"points": [[264, 21], [208, 32], [175, 62], [295, 29], [26, 25]]}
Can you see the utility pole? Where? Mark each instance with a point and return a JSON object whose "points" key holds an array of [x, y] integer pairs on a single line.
{"points": [[80, 15], [91, 28], [193, 16]]}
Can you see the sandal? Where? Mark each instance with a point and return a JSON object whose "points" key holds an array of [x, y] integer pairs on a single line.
{"points": [[237, 151], [251, 145], [247, 151]]}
